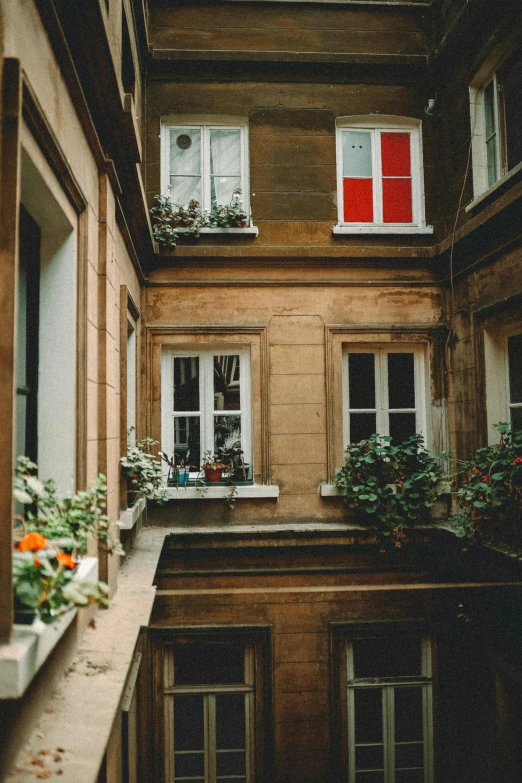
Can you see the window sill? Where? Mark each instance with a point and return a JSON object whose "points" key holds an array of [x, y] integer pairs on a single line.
{"points": [[247, 231], [330, 490], [503, 184], [341, 229], [130, 516], [223, 491], [31, 645]]}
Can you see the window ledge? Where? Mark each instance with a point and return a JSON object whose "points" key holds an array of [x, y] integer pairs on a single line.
{"points": [[130, 516], [503, 184], [246, 231], [341, 229], [330, 490], [223, 491], [31, 645]]}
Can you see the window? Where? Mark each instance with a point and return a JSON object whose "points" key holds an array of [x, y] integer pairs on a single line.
{"points": [[206, 403], [389, 709], [496, 120], [210, 711], [503, 354], [380, 176], [384, 392], [206, 162]]}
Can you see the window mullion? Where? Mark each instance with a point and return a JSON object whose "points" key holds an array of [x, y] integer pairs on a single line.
{"points": [[389, 741], [377, 185], [383, 398], [207, 359], [210, 739]]}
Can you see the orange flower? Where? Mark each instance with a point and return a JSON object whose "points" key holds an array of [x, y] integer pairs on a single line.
{"points": [[486, 479], [37, 563], [65, 560], [34, 541]]}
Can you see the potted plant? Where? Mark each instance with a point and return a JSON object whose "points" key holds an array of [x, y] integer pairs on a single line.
{"points": [[232, 458], [213, 467], [143, 473], [179, 469], [389, 486], [490, 492], [68, 521]]}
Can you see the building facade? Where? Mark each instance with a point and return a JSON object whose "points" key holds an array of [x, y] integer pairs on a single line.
{"points": [[373, 284]]}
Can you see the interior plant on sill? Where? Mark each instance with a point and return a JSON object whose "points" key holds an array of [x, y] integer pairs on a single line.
{"points": [[168, 218], [45, 583], [77, 517], [490, 492], [179, 469], [143, 472], [389, 486]]}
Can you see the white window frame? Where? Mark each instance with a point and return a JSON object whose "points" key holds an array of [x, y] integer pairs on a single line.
{"points": [[388, 685], [382, 409], [498, 397], [477, 91], [377, 124], [206, 396], [206, 123]]}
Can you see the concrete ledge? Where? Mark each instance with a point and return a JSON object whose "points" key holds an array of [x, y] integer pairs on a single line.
{"points": [[80, 715], [30, 645], [223, 491], [246, 230], [130, 516], [382, 230], [330, 490]]}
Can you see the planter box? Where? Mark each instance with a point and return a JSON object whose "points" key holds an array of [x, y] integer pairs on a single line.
{"points": [[130, 516]]}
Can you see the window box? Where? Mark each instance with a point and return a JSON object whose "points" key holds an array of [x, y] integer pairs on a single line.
{"points": [[222, 490], [31, 645], [380, 176]]}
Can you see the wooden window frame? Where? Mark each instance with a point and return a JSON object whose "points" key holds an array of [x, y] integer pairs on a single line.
{"points": [[376, 124], [383, 410], [206, 124]]}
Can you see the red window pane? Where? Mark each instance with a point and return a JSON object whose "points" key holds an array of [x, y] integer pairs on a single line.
{"points": [[397, 201], [395, 154], [358, 200]]}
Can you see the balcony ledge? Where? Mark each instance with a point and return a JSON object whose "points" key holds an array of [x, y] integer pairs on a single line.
{"points": [[31, 645], [223, 491]]}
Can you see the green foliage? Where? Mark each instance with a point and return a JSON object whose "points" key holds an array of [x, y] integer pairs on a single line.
{"points": [[389, 486], [143, 472], [80, 516], [168, 218], [490, 493], [44, 584]]}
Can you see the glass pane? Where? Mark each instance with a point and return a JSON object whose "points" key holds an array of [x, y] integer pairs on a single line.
{"points": [[230, 721], [409, 755], [361, 380], [512, 87], [357, 154], [368, 715], [188, 723], [206, 664], [409, 776], [395, 154], [401, 382], [222, 189], [369, 757], [186, 383], [515, 368], [185, 151], [227, 432], [489, 110], [369, 777], [408, 715], [227, 390], [402, 426], [185, 189], [516, 418], [491, 153], [362, 425], [189, 765], [187, 441], [387, 657], [230, 762]]}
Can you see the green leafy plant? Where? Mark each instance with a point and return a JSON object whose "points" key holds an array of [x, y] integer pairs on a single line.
{"points": [[490, 492], [389, 486], [78, 517], [143, 472], [44, 579], [168, 218]]}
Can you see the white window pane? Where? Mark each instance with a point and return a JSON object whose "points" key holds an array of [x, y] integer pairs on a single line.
{"points": [[225, 152], [185, 151], [357, 154], [185, 189], [186, 383], [489, 110], [491, 153], [222, 189]]}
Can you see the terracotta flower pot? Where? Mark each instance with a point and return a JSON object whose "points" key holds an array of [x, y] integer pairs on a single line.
{"points": [[213, 475]]}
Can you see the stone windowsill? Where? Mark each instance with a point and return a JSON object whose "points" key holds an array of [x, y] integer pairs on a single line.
{"points": [[246, 231], [31, 645], [223, 491], [327, 490], [483, 199], [342, 229], [130, 516]]}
